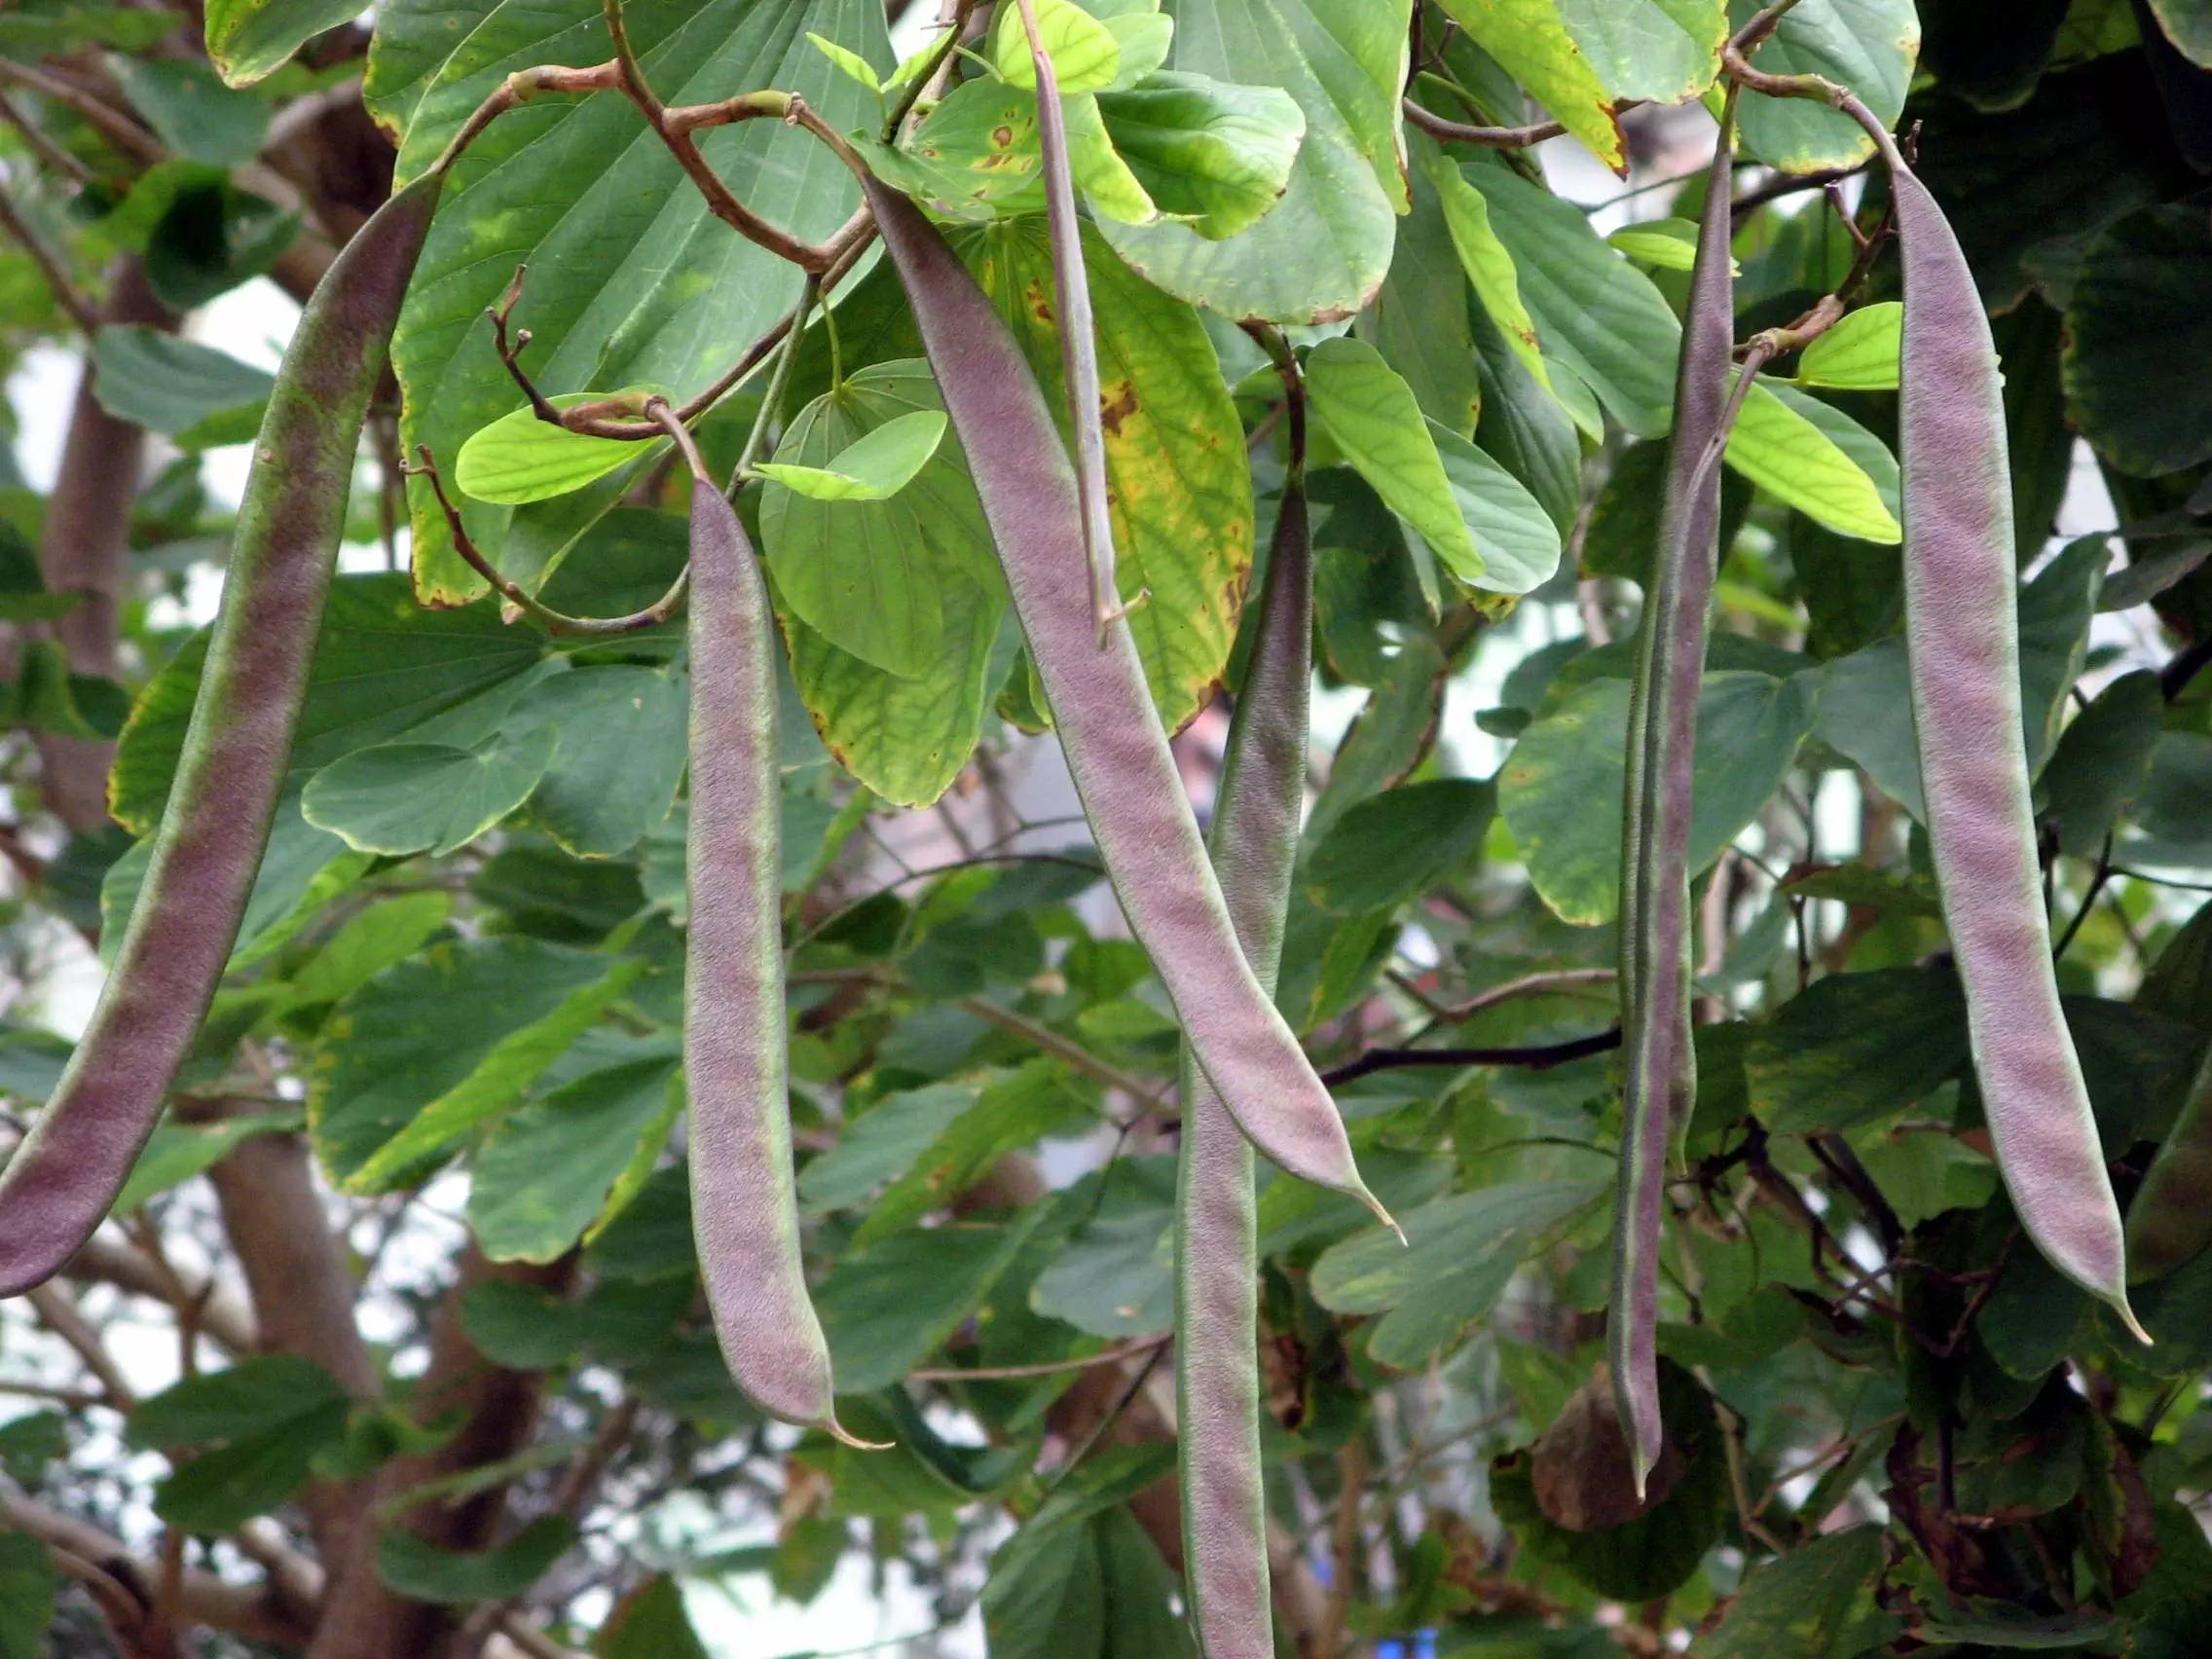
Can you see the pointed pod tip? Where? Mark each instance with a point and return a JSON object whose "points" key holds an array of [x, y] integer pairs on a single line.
{"points": [[2127, 1317], [1383, 1215], [838, 1431]]}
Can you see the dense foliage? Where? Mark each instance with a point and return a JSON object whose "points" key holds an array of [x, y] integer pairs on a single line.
{"points": [[430, 1320]]}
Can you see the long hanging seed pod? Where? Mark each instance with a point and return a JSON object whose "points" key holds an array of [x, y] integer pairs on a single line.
{"points": [[1962, 647], [1079, 350], [743, 1211], [1116, 751], [66, 1173], [2169, 1222], [1654, 929], [1217, 1260]]}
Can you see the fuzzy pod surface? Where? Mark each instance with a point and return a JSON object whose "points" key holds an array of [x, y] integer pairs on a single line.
{"points": [[1116, 749], [1254, 846], [743, 1207], [1962, 643], [1661, 1071], [2169, 1222], [208, 847]]}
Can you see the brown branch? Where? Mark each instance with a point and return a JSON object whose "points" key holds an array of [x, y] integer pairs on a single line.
{"points": [[53, 155], [119, 129], [59, 1312], [1449, 131], [1537, 1058], [1135, 1348], [222, 1315]]}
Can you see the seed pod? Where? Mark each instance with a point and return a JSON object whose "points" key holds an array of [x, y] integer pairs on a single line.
{"points": [[1217, 1259], [207, 850], [1079, 350], [1962, 643], [1661, 1078], [1116, 749], [744, 1213], [2169, 1222]]}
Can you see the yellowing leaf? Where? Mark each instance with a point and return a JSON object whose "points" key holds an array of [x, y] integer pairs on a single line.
{"points": [[1532, 43]]}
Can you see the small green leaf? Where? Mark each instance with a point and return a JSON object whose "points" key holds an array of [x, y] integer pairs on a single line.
{"points": [[886, 1308], [850, 61], [1387, 849], [27, 1585], [871, 469], [1086, 55], [246, 39], [193, 394], [191, 111], [423, 1572], [1860, 354], [1369, 413], [1215, 155], [398, 799], [1671, 244], [1487, 262], [1530, 41], [177, 1151], [519, 458], [1785, 454], [543, 1173]]}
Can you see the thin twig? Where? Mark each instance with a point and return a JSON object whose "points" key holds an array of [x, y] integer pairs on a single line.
{"points": [[119, 129], [1537, 1058], [1048, 1368], [53, 155], [49, 261]]}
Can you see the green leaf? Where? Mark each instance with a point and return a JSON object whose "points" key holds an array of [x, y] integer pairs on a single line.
{"points": [[871, 469], [885, 1310], [1386, 850], [1532, 42], [1464, 1249], [1781, 451], [881, 1145], [632, 279], [519, 458], [2134, 332], [622, 750], [1112, 1274], [1177, 486], [1420, 321], [1817, 1600], [1370, 415], [1869, 45], [851, 62], [398, 798], [1214, 155], [423, 1572], [177, 1151], [1322, 250], [191, 111], [1860, 354], [649, 1623], [27, 1585], [256, 1429], [246, 39], [1518, 542], [1854, 1049], [1660, 51], [2102, 760], [873, 577], [976, 155], [1560, 786], [428, 1047], [1093, 1589], [1484, 259], [386, 931], [543, 1173], [1671, 244], [2187, 24], [1595, 315], [1086, 55], [381, 667], [193, 394]]}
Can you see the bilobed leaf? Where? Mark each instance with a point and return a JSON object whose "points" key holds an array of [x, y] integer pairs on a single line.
{"points": [[246, 39], [191, 393], [876, 578], [619, 757], [1869, 45], [1370, 415], [1860, 354], [1855, 1047], [632, 281], [872, 467], [1530, 41], [1086, 55], [398, 799], [1570, 762], [1323, 248], [519, 458]]}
